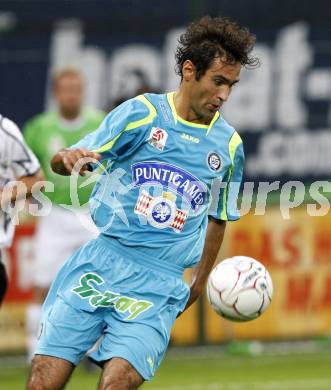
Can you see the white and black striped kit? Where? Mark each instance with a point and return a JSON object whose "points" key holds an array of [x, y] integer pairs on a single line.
{"points": [[16, 160]]}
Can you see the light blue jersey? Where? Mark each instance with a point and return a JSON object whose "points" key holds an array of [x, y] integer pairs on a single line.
{"points": [[165, 169], [151, 204]]}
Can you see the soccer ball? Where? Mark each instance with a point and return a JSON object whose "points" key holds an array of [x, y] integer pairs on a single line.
{"points": [[239, 288]]}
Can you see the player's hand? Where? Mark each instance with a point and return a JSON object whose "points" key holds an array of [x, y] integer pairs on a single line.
{"points": [[78, 160], [67, 161]]}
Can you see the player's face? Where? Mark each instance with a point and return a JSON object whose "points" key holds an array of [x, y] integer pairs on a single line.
{"points": [[208, 94], [69, 95]]}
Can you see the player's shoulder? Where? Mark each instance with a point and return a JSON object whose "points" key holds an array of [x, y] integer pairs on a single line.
{"points": [[232, 134], [10, 129], [155, 98], [146, 101], [40, 120], [137, 108], [156, 103], [228, 139]]}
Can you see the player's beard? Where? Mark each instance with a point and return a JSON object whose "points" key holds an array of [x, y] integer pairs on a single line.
{"points": [[70, 113]]}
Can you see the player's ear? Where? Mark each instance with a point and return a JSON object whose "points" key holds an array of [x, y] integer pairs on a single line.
{"points": [[188, 70]]}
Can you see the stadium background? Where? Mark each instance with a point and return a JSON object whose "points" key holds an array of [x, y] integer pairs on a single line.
{"points": [[282, 111]]}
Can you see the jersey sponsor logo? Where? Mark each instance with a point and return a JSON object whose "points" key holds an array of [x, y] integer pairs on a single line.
{"points": [[87, 289], [158, 138], [172, 177], [214, 162], [190, 138], [161, 212]]}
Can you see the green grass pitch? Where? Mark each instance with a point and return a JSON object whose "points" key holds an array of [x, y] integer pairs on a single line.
{"points": [[192, 371]]}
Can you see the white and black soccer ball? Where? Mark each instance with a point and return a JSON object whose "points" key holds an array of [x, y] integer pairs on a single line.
{"points": [[239, 288]]}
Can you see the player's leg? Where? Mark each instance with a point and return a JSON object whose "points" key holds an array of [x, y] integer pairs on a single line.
{"points": [[46, 253], [119, 374], [58, 236], [3, 280], [48, 372], [138, 328], [33, 318], [70, 326], [67, 333]]}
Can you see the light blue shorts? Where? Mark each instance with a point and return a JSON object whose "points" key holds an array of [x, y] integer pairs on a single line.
{"points": [[116, 295]]}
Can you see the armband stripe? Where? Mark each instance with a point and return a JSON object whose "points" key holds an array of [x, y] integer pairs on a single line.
{"points": [[235, 141]]}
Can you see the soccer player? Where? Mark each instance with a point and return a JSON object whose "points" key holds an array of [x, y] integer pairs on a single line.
{"points": [[62, 231], [17, 164], [162, 153]]}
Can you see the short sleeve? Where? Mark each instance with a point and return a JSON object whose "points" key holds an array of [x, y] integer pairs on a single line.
{"points": [[226, 208], [110, 136], [22, 160]]}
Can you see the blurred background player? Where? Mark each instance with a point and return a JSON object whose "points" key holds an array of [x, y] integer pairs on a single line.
{"points": [[62, 231], [17, 163]]}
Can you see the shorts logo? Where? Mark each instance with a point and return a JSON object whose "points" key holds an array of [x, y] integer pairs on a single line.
{"points": [[214, 162], [96, 298], [161, 212], [158, 138]]}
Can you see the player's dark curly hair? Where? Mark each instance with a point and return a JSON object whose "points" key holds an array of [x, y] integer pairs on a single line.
{"points": [[208, 38]]}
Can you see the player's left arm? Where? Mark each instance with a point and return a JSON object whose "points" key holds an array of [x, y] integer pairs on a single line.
{"points": [[20, 188], [213, 242], [24, 165]]}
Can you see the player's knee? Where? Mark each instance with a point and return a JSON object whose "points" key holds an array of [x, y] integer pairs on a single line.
{"points": [[48, 373], [118, 374]]}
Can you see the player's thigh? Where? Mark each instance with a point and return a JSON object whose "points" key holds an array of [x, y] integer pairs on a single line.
{"points": [[142, 345], [119, 374], [48, 372], [68, 332]]}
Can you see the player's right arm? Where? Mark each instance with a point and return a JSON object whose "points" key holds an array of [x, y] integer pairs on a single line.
{"points": [[226, 210], [23, 163], [115, 136], [66, 160], [213, 243]]}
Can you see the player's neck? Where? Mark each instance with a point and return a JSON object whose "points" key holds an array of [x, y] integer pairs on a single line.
{"points": [[69, 115], [185, 111], [70, 122]]}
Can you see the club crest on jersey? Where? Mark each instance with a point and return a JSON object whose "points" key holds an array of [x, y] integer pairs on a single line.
{"points": [[158, 138], [172, 177], [214, 162], [161, 211]]}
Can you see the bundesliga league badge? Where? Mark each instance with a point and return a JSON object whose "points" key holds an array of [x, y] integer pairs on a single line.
{"points": [[161, 212], [158, 138]]}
